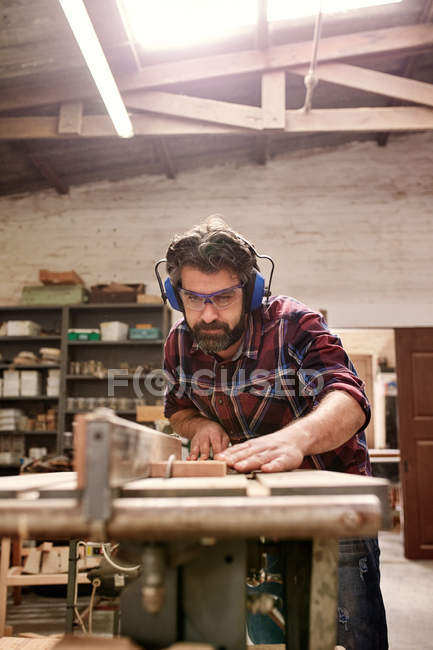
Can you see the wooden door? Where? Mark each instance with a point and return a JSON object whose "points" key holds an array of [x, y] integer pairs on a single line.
{"points": [[364, 367], [414, 350]]}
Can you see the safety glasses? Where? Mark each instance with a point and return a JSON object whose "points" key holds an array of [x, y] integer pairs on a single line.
{"points": [[219, 299]]}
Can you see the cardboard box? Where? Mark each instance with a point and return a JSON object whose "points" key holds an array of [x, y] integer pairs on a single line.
{"points": [[30, 384], [116, 292]]}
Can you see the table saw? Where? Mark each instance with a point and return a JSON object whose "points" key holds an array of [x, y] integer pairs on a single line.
{"points": [[195, 539]]}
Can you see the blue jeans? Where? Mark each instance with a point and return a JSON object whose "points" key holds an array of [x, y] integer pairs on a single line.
{"points": [[361, 619]]}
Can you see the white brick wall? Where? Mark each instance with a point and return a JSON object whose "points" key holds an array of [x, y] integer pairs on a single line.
{"points": [[350, 229]]}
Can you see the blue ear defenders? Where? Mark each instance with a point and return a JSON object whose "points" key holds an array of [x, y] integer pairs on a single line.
{"points": [[255, 290]]}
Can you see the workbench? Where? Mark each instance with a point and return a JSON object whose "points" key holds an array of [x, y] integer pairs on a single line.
{"points": [[196, 541], [217, 514]]}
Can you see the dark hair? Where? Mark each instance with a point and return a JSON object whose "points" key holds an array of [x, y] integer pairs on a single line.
{"points": [[210, 247]]}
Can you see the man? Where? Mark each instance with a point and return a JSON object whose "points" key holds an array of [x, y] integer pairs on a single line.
{"points": [[272, 380]]}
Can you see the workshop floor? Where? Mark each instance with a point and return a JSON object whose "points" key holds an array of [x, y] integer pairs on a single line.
{"points": [[407, 588]]}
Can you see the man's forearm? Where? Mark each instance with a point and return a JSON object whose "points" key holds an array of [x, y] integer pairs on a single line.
{"points": [[187, 422], [337, 418]]}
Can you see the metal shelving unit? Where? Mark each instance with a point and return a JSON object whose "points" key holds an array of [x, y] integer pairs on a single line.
{"points": [[57, 320]]}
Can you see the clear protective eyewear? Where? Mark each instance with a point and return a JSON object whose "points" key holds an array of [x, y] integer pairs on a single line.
{"points": [[219, 299]]}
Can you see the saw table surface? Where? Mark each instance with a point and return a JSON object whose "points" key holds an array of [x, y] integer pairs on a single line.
{"points": [[292, 504]]}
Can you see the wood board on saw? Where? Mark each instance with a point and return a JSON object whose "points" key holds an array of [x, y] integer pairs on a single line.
{"points": [[191, 486], [19, 486], [319, 482]]}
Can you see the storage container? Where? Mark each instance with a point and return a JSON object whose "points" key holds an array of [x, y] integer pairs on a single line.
{"points": [[114, 331], [149, 333], [22, 328], [54, 295], [115, 293], [84, 335], [30, 385]]}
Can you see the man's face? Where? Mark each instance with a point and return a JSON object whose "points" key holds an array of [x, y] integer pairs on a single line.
{"points": [[214, 330]]}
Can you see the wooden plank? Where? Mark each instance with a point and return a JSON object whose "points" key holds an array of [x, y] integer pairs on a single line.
{"points": [[149, 413], [317, 480], [360, 120], [183, 468], [192, 486], [16, 643], [14, 486], [372, 81], [70, 118], [324, 594], [196, 108], [308, 482], [21, 580], [4, 566], [410, 38], [274, 100], [349, 120]]}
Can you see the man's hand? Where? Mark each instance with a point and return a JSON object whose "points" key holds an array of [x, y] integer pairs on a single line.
{"points": [[210, 435], [274, 452]]}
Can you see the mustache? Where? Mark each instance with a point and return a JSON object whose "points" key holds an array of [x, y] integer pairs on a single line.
{"points": [[203, 327]]}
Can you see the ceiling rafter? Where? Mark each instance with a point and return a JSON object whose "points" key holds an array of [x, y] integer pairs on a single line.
{"points": [[356, 120], [373, 81], [425, 16], [411, 38]]}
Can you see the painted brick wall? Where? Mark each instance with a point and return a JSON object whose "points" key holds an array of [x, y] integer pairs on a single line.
{"points": [[351, 228]]}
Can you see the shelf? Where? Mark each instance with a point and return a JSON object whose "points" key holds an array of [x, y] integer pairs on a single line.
{"points": [[55, 321], [28, 366], [30, 433], [117, 306], [22, 398], [93, 377], [115, 343], [9, 339], [76, 411]]}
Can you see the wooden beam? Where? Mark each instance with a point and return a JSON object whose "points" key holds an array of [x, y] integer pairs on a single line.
{"points": [[349, 120], [195, 108], [43, 167], [162, 150], [410, 38], [70, 118], [425, 16], [262, 25], [274, 100], [360, 120], [373, 81]]}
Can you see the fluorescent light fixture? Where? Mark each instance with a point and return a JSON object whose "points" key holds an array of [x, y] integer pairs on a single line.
{"points": [[86, 37], [164, 24]]}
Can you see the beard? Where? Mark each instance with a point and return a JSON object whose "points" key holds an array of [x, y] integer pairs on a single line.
{"points": [[212, 343]]}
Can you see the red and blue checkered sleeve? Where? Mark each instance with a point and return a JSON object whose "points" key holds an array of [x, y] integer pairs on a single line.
{"points": [[325, 364], [175, 398]]}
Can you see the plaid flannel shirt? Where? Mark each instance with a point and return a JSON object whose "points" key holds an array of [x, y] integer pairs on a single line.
{"points": [[288, 361]]}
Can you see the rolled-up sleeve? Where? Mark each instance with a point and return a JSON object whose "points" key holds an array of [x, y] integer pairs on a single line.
{"points": [[325, 365]]}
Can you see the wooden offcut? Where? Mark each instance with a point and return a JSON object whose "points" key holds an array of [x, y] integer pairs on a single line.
{"points": [[149, 413], [182, 468]]}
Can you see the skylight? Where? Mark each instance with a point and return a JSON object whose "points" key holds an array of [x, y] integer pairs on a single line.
{"points": [[164, 24]]}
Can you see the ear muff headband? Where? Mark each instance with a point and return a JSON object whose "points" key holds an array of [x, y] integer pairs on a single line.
{"points": [[255, 290]]}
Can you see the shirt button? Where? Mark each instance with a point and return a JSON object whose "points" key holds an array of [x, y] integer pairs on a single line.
{"points": [[220, 401]]}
